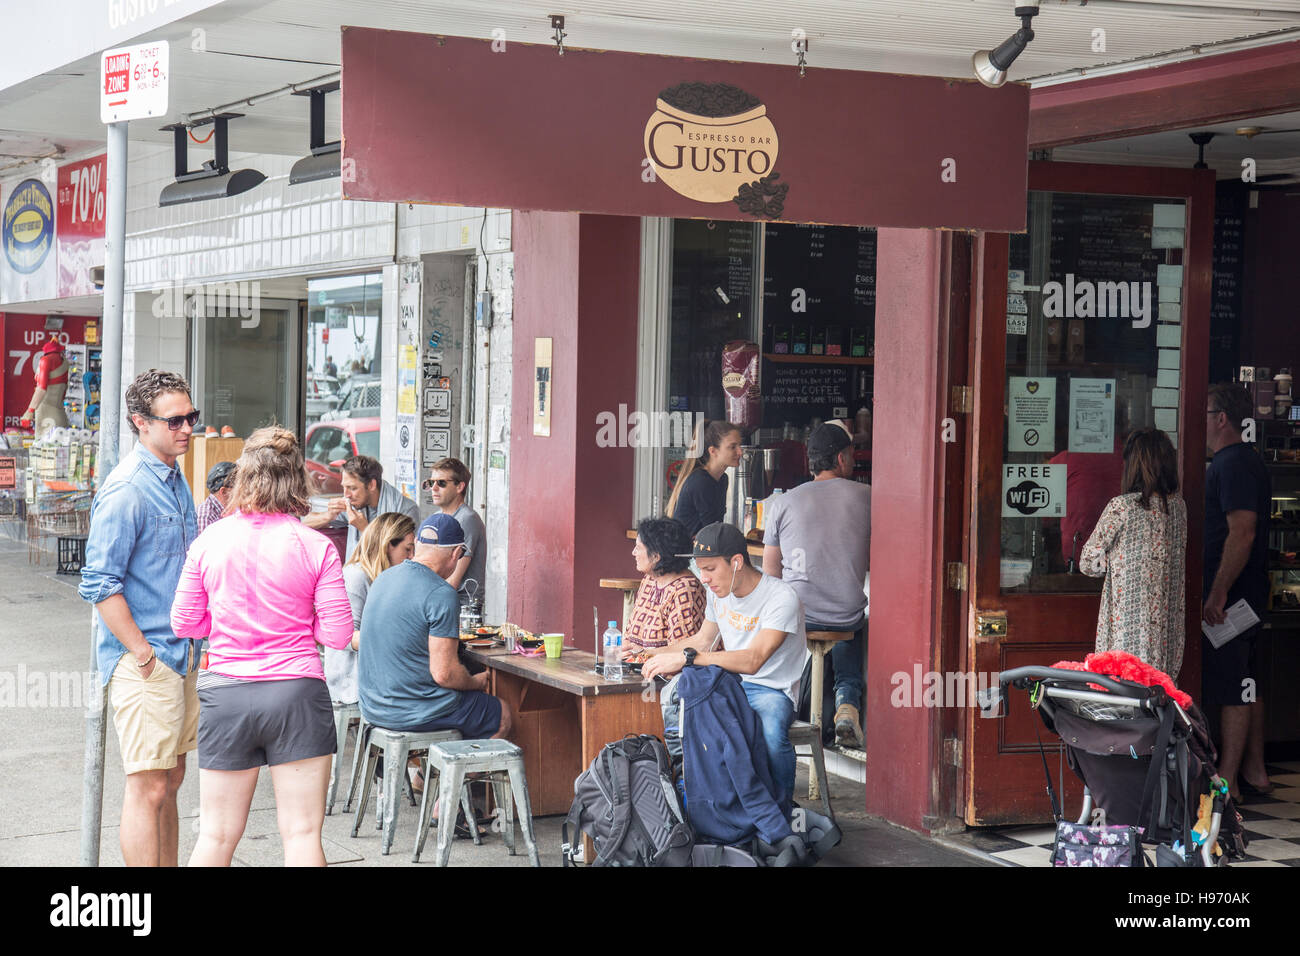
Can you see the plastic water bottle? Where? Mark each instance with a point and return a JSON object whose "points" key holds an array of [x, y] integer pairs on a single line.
{"points": [[613, 649]]}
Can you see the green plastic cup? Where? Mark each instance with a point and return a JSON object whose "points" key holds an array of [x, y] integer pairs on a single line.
{"points": [[554, 644]]}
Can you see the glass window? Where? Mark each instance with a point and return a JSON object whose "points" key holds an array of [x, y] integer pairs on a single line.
{"points": [[368, 443], [712, 304], [248, 370], [342, 337], [1093, 352]]}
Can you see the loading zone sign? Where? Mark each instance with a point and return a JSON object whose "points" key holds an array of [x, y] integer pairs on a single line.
{"points": [[1033, 491]]}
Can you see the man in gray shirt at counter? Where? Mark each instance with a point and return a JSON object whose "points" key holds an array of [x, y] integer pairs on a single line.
{"points": [[448, 483], [818, 540]]}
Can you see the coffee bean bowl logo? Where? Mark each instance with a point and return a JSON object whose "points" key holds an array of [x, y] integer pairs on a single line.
{"points": [[1031, 387], [28, 226], [714, 143]]}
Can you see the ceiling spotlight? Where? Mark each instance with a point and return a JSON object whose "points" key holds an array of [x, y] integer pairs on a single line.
{"points": [[991, 65], [325, 159], [214, 179]]}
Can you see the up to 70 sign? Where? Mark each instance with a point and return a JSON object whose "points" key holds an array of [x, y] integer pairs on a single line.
{"points": [[133, 82]]}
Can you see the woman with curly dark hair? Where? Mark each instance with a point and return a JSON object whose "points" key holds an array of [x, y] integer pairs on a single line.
{"points": [[670, 601]]}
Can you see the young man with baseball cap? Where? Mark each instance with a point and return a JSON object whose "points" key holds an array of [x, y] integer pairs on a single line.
{"points": [[759, 621], [818, 540], [409, 675]]}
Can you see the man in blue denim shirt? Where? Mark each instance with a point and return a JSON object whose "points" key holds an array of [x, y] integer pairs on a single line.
{"points": [[141, 526]]}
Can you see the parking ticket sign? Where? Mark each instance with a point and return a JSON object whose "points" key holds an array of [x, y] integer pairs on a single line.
{"points": [[133, 82]]}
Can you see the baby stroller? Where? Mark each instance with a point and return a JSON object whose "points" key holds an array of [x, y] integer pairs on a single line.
{"points": [[1143, 759]]}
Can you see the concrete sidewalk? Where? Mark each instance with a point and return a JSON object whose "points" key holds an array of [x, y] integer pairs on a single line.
{"points": [[44, 659]]}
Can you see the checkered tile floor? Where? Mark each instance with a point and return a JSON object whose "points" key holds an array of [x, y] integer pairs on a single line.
{"points": [[1272, 823]]}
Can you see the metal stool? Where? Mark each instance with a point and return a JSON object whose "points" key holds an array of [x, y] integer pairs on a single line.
{"points": [[396, 746], [344, 714], [504, 763], [810, 736]]}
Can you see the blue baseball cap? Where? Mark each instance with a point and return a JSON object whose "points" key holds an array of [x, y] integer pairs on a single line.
{"points": [[442, 530]]}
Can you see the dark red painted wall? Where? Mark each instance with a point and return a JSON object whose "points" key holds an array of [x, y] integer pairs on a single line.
{"points": [[904, 515], [576, 281], [539, 131]]}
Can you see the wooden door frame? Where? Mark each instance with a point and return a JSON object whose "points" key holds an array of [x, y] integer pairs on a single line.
{"points": [[991, 261]]}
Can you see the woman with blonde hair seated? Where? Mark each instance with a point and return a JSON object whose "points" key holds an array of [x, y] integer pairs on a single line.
{"points": [[266, 590]]}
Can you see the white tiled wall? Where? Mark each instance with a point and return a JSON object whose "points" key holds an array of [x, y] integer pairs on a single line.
{"points": [[273, 229]]}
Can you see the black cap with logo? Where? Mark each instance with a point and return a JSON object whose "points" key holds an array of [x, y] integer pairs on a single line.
{"points": [[827, 441], [718, 540]]}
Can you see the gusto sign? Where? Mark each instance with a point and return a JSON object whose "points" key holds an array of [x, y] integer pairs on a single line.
{"points": [[714, 143]]}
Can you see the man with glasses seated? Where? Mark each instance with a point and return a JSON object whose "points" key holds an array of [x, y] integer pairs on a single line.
{"points": [[365, 494], [447, 484], [141, 525]]}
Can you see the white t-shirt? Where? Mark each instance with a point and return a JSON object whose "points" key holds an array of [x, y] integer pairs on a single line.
{"points": [[772, 605]]}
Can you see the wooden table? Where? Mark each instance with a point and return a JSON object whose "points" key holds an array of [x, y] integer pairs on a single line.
{"points": [[564, 714]]}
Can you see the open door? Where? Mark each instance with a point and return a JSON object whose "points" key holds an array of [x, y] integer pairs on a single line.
{"points": [[1093, 322]]}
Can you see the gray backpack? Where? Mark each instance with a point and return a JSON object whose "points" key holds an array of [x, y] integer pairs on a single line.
{"points": [[625, 801]]}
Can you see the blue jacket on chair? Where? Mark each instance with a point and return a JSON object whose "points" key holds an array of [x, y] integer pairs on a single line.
{"points": [[729, 786]]}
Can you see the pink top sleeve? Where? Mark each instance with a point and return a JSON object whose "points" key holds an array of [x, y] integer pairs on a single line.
{"points": [[266, 590], [190, 616], [333, 609]]}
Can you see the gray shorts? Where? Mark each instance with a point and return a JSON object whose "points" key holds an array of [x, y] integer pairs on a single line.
{"points": [[251, 723]]}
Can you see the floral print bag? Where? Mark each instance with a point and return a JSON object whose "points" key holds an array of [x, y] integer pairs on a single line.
{"points": [[1081, 844]]}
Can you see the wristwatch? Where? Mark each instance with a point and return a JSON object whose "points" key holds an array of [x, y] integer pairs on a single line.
{"points": [[690, 654]]}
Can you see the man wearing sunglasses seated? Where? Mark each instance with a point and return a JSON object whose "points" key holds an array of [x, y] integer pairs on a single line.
{"points": [[365, 494], [141, 524], [448, 484]]}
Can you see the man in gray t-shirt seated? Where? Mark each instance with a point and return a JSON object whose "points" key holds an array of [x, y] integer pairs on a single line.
{"points": [[409, 675], [818, 540]]}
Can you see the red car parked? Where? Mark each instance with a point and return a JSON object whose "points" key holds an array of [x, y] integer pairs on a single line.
{"points": [[334, 441]]}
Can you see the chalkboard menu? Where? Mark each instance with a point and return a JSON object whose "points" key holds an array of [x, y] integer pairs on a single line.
{"points": [[815, 279], [797, 392], [1096, 239], [740, 260], [1225, 298], [712, 303]]}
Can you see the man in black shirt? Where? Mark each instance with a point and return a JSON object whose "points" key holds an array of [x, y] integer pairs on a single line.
{"points": [[1237, 505]]}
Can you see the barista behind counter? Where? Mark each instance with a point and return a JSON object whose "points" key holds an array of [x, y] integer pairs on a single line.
{"points": [[700, 496]]}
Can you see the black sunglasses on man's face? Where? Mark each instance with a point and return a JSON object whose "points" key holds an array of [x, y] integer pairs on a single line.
{"points": [[175, 421], [440, 482]]}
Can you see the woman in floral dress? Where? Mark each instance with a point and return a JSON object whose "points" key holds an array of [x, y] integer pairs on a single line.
{"points": [[1139, 544]]}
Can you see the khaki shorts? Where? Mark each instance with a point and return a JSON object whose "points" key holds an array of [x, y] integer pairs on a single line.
{"points": [[157, 718]]}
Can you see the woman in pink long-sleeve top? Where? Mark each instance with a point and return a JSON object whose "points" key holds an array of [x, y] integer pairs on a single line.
{"points": [[266, 590]]}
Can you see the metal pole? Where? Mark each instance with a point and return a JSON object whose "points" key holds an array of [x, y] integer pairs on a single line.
{"points": [[110, 425]]}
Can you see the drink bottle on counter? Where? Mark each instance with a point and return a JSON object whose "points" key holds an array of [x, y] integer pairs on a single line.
{"points": [[613, 649]]}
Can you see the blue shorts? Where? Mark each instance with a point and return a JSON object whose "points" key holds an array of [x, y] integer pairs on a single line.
{"points": [[477, 716]]}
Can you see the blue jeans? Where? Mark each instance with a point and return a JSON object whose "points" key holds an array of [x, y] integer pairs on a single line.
{"points": [[775, 713], [846, 660]]}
